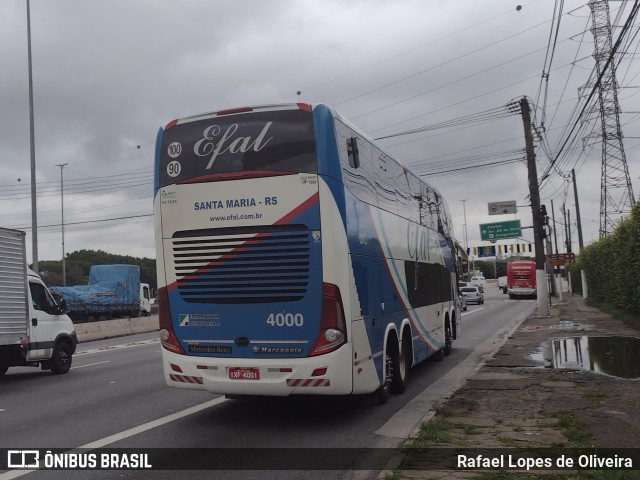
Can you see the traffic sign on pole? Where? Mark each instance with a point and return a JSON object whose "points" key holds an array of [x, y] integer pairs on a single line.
{"points": [[559, 259], [500, 230], [502, 208]]}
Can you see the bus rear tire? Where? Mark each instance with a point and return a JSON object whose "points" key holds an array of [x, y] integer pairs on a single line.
{"points": [[448, 339], [391, 363], [401, 369]]}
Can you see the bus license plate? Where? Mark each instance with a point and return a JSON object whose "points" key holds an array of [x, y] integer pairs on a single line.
{"points": [[236, 373]]}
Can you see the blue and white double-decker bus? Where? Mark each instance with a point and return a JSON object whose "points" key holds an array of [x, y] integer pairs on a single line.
{"points": [[296, 257]]}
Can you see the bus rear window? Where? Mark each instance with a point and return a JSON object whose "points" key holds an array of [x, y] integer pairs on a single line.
{"points": [[266, 141]]}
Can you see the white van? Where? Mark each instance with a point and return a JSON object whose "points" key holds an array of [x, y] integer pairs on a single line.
{"points": [[478, 281], [145, 300], [502, 284], [35, 330]]}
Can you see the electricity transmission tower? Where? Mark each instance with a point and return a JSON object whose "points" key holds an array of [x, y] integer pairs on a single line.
{"points": [[616, 194]]}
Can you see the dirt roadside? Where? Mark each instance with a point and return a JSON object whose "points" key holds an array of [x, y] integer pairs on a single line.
{"points": [[519, 400]]}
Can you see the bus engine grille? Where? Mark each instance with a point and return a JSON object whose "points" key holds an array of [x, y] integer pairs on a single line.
{"points": [[242, 265]]}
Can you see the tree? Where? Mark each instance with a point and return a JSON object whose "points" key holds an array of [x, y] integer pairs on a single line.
{"points": [[491, 269], [79, 263]]}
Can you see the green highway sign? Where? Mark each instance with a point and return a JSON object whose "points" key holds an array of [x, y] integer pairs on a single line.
{"points": [[500, 230]]}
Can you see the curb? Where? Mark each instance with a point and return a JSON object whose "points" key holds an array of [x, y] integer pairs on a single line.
{"points": [[481, 355], [88, 332]]}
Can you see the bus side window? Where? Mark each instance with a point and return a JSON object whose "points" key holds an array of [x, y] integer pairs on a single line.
{"points": [[352, 152]]}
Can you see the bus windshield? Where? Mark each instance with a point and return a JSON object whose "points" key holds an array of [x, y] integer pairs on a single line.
{"points": [[200, 148]]}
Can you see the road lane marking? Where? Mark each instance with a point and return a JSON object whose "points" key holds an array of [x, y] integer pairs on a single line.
{"points": [[116, 437], [91, 364], [118, 347], [472, 311]]}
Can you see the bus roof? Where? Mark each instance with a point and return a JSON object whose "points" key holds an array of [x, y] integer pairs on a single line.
{"points": [[238, 111]]}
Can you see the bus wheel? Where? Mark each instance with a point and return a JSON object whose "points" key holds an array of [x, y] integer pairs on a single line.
{"points": [[390, 362], [401, 369], [448, 339]]}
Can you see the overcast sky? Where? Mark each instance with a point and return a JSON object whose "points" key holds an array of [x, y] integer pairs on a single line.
{"points": [[108, 74]]}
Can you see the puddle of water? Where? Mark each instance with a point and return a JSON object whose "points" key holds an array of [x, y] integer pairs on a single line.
{"points": [[614, 356]]}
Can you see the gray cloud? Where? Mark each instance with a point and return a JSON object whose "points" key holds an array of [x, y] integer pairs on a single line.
{"points": [[107, 75]]}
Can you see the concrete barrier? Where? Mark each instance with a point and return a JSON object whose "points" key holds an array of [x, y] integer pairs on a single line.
{"points": [[115, 328]]}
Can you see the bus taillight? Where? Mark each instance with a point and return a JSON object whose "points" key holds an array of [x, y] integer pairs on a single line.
{"points": [[167, 336], [172, 123], [333, 333]]}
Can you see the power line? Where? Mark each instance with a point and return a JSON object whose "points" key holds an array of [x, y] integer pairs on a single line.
{"points": [[90, 221], [593, 90], [472, 167], [405, 52], [480, 117]]}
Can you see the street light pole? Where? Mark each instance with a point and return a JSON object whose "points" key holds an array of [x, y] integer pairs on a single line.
{"points": [[466, 240], [32, 144], [64, 273], [464, 210]]}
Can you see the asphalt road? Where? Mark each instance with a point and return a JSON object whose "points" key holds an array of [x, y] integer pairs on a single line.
{"points": [[115, 397]]}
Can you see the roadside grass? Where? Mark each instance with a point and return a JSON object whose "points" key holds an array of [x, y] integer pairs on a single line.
{"points": [[590, 475], [419, 453], [625, 316], [434, 432], [574, 430], [395, 475], [595, 397]]}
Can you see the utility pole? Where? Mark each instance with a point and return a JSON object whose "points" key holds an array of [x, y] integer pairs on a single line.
{"points": [[578, 221], [466, 240], [569, 248], [64, 270], [464, 211], [550, 279], [555, 234], [534, 196], [564, 225], [556, 270]]}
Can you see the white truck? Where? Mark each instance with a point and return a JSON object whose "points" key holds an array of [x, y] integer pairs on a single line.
{"points": [[502, 284], [478, 281], [34, 329], [113, 291]]}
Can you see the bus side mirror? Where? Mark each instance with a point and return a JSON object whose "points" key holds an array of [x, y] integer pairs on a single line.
{"points": [[352, 152]]}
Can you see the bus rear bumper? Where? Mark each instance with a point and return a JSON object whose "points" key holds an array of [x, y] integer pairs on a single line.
{"points": [[522, 292], [320, 375]]}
